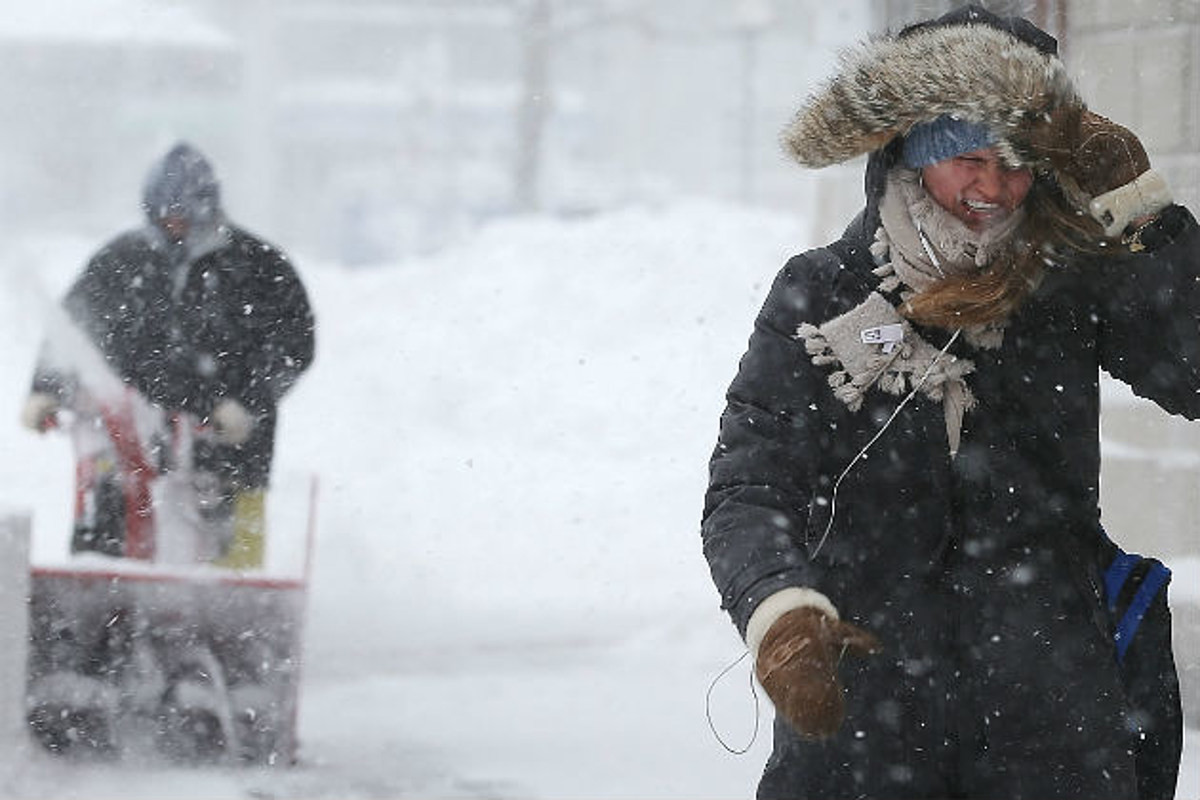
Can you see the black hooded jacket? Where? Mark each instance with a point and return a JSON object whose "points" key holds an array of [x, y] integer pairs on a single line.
{"points": [[222, 314], [981, 574]]}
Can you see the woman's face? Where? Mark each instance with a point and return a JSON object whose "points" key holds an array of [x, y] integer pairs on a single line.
{"points": [[977, 187]]}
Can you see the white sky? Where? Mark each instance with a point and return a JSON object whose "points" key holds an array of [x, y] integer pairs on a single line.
{"points": [[128, 21]]}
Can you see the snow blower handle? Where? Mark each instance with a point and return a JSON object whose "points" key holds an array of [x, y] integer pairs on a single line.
{"points": [[40, 412], [231, 422]]}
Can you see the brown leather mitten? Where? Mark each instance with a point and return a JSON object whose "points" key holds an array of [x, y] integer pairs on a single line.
{"points": [[1096, 153], [1101, 166], [797, 666]]}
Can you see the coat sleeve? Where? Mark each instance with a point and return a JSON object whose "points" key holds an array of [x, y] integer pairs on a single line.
{"points": [[1149, 315], [282, 330], [97, 306], [763, 469]]}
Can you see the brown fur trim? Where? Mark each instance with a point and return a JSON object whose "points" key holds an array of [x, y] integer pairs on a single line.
{"points": [[885, 86]]}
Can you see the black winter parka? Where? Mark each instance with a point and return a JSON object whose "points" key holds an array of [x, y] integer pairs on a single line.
{"points": [[980, 574], [239, 326]]}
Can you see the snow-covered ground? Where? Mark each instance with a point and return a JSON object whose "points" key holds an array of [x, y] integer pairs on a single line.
{"points": [[509, 598]]}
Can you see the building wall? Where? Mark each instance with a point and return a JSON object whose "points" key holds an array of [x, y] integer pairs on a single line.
{"points": [[1138, 62], [370, 130], [688, 97]]}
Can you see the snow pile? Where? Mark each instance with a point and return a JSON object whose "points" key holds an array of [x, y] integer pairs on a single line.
{"points": [[524, 423]]}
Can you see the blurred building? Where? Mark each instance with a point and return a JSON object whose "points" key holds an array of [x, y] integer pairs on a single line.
{"points": [[374, 128], [367, 130], [389, 126], [85, 91]]}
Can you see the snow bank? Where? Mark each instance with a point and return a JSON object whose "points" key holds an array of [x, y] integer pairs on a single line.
{"points": [[524, 423]]}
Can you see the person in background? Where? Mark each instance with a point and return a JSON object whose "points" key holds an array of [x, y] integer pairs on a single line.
{"points": [[201, 318], [903, 514]]}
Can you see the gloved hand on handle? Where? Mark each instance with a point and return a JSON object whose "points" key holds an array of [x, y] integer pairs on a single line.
{"points": [[1102, 166], [232, 424], [797, 665], [40, 412]]}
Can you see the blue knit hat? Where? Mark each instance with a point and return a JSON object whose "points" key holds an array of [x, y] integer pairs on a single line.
{"points": [[945, 137]]}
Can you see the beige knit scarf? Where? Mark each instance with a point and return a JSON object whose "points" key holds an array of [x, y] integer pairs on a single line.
{"points": [[917, 244]]}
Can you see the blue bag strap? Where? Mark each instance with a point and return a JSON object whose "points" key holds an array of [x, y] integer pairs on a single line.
{"points": [[1155, 579], [1116, 575]]}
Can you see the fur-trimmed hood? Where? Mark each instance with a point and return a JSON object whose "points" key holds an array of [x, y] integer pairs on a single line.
{"points": [[969, 64]]}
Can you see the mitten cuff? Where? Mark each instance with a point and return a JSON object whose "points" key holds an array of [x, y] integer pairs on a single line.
{"points": [[778, 604], [38, 407], [1146, 195], [231, 422]]}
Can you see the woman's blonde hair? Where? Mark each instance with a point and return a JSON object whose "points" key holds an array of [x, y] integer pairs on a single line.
{"points": [[1052, 231]]}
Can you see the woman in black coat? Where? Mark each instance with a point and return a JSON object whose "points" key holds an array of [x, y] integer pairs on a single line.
{"points": [[199, 316], [908, 464]]}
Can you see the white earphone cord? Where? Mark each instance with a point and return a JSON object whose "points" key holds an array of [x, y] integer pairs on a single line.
{"points": [[862, 453]]}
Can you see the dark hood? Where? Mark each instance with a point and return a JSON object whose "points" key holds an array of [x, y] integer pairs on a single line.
{"points": [[182, 183]]}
